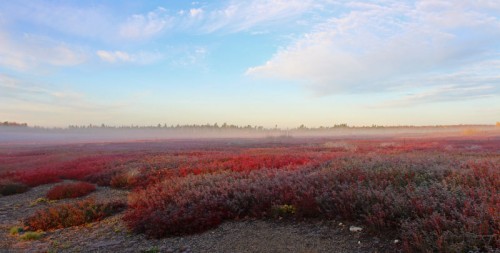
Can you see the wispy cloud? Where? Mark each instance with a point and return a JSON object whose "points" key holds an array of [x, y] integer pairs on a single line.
{"points": [[243, 15], [372, 47], [124, 57], [475, 81], [93, 21], [29, 51], [21, 90], [441, 94], [190, 57], [233, 16], [195, 12], [144, 26], [30, 93]]}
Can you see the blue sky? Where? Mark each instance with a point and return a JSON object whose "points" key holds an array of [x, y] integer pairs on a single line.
{"points": [[253, 62]]}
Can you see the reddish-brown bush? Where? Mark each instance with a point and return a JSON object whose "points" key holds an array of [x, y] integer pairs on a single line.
{"points": [[431, 197], [67, 215], [10, 188], [70, 190], [439, 195]]}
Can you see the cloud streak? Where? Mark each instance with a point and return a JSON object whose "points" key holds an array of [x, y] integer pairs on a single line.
{"points": [[30, 51], [145, 26], [125, 57], [33, 94], [378, 46]]}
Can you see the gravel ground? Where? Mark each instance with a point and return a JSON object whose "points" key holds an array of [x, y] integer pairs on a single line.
{"points": [[111, 235]]}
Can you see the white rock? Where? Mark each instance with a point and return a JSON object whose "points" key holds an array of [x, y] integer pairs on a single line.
{"points": [[355, 229], [396, 241]]}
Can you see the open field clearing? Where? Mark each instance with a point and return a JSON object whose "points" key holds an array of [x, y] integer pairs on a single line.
{"points": [[253, 195]]}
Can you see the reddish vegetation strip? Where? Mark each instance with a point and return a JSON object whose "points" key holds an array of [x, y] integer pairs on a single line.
{"points": [[70, 190], [438, 195], [436, 202], [68, 215]]}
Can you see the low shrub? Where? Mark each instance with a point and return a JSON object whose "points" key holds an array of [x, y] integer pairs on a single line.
{"points": [[41, 201], [30, 235], [68, 215], [37, 177], [126, 179], [283, 210], [432, 200], [15, 230], [70, 190], [10, 188]]}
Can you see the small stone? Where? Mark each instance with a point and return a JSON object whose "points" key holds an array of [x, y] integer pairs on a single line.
{"points": [[340, 224], [396, 241], [359, 242], [355, 229]]}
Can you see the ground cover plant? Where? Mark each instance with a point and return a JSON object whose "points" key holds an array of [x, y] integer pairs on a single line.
{"points": [[70, 190], [437, 195], [74, 214]]}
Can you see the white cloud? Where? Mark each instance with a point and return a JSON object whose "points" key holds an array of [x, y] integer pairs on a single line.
{"points": [[374, 46], [190, 57], [243, 15], [124, 57], [30, 51], [196, 12], [144, 26], [113, 56]]}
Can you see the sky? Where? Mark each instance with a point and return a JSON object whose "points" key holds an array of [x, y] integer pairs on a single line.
{"points": [[253, 62]]}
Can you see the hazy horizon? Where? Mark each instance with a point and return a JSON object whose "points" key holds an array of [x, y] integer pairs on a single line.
{"points": [[258, 62]]}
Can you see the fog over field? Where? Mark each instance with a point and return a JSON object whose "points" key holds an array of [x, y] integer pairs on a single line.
{"points": [[30, 135]]}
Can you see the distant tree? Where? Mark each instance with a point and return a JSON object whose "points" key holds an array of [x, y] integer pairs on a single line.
{"points": [[13, 124]]}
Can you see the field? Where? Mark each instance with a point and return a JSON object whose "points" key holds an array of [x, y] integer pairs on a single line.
{"points": [[409, 195]]}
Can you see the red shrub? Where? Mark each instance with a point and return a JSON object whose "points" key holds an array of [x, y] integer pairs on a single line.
{"points": [[35, 178], [70, 190], [67, 215], [400, 192]]}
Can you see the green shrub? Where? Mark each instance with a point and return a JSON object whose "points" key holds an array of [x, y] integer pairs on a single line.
{"points": [[41, 200], [28, 236], [16, 230], [283, 210]]}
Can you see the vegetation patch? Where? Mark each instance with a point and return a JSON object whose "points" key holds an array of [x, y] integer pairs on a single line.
{"points": [[30, 236], [283, 210], [11, 188], [16, 230], [70, 190], [75, 214]]}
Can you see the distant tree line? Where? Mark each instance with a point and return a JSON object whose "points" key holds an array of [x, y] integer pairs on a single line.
{"points": [[13, 124], [226, 126]]}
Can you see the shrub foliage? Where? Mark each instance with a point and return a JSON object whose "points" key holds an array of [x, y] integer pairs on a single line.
{"points": [[68, 215], [70, 190], [439, 195]]}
